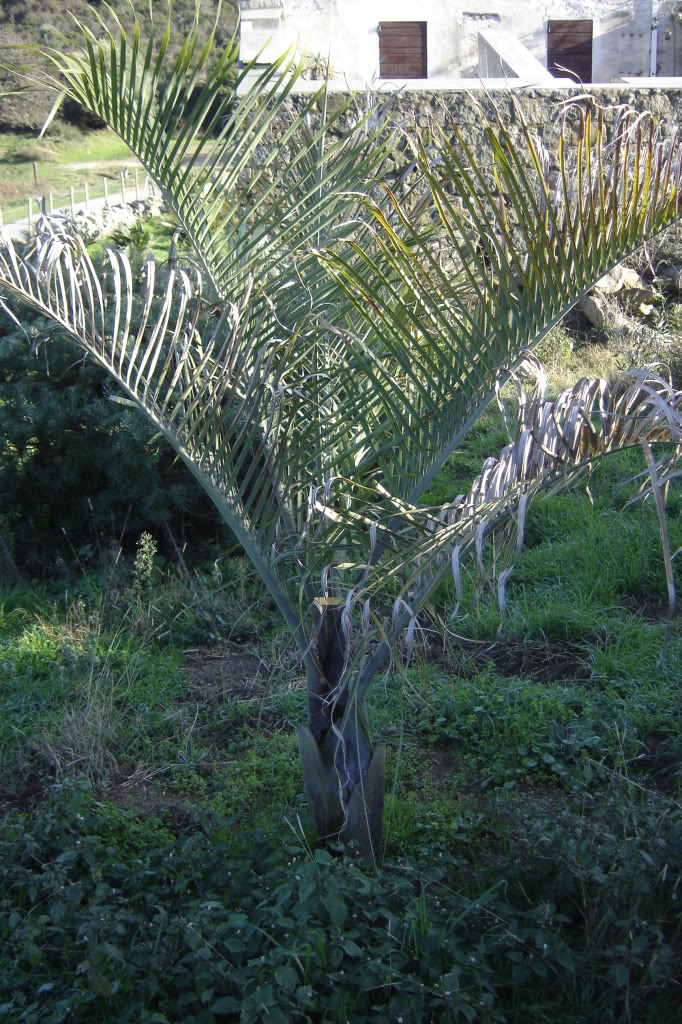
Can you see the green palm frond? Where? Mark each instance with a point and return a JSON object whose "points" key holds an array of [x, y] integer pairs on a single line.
{"points": [[223, 400], [218, 159], [431, 351]]}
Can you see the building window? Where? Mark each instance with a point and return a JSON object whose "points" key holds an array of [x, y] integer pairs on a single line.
{"points": [[402, 49], [569, 46]]}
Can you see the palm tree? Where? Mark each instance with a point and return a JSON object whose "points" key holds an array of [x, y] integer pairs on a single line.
{"points": [[336, 339]]}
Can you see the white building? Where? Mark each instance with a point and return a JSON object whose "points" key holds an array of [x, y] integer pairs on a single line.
{"points": [[370, 41]]}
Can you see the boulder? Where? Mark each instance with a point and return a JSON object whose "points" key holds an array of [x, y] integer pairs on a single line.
{"points": [[672, 276], [618, 279], [637, 296], [631, 279], [621, 283], [594, 307], [610, 283]]}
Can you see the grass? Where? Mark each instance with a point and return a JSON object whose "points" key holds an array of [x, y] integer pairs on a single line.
{"points": [[70, 158], [157, 858], [535, 777], [55, 157]]}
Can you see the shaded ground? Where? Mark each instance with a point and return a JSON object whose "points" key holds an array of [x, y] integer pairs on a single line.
{"points": [[218, 676]]}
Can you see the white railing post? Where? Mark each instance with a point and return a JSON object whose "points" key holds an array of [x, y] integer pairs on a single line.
{"points": [[106, 192], [87, 196]]}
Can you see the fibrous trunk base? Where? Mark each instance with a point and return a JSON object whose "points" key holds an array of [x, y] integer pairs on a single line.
{"points": [[339, 814]]}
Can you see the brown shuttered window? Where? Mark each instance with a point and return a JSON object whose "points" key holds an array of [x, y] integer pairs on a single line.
{"points": [[569, 45], [402, 49]]}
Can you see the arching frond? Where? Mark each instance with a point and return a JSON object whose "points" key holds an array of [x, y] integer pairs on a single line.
{"points": [[251, 176], [225, 401], [555, 443], [530, 231]]}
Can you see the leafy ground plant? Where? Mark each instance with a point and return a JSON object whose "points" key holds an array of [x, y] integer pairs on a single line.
{"points": [[335, 342], [530, 864], [108, 921]]}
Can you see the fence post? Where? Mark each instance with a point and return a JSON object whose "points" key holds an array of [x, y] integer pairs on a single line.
{"points": [[87, 196], [123, 190], [106, 192], [35, 172], [73, 204], [137, 187]]}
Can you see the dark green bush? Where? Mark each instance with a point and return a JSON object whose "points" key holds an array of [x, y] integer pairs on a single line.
{"points": [[79, 472]]}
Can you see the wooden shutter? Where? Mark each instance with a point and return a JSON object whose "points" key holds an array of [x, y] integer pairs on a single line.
{"points": [[402, 49], [569, 45]]}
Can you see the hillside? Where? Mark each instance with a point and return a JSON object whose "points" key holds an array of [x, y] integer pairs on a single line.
{"points": [[50, 22]]}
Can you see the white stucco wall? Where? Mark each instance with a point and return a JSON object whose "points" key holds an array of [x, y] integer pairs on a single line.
{"points": [[347, 30]]}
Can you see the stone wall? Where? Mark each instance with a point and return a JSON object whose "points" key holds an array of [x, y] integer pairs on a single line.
{"points": [[90, 225], [540, 107]]}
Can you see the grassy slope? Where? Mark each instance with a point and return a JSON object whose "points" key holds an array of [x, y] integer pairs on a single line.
{"points": [[546, 760], [51, 23], [44, 23], [55, 158]]}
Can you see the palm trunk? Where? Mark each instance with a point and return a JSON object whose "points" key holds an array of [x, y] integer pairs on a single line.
{"points": [[343, 774]]}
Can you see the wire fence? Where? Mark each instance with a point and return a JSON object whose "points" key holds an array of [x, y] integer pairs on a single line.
{"points": [[81, 197]]}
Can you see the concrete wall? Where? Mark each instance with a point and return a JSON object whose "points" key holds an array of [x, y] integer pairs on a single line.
{"points": [[669, 38], [348, 31], [502, 55]]}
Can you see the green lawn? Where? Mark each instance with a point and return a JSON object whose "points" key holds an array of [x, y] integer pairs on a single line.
{"points": [[59, 163]]}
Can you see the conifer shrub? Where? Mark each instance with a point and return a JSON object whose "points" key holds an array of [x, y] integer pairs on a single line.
{"points": [[79, 472]]}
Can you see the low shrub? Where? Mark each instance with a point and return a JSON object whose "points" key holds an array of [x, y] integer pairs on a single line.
{"points": [[577, 924], [77, 471]]}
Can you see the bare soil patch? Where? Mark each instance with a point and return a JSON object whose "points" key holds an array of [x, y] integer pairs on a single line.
{"points": [[217, 676], [149, 800], [543, 664]]}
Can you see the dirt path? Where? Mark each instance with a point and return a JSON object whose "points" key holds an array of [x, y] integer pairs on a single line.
{"points": [[94, 165]]}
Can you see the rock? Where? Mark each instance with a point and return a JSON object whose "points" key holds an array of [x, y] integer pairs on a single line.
{"points": [[610, 283], [622, 282], [618, 279], [594, 307], [631, 279], [638, 296], [673, 276]]}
